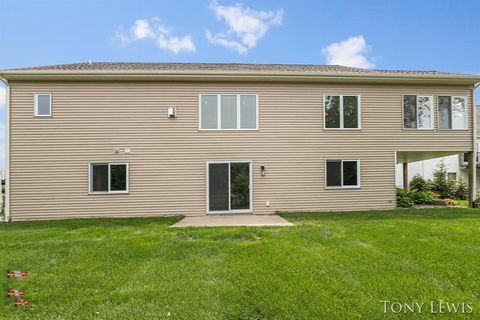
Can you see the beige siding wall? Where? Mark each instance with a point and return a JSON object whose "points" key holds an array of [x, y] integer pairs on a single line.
{"points": [[50, 156]]}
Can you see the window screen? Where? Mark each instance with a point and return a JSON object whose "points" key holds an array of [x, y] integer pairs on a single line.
{"points": [[229, 114], [43, 104], [209, 112]]}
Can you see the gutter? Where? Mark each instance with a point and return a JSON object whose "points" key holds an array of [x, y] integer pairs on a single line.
{"points": [[7, 151], [181, 75], [475, 149]]}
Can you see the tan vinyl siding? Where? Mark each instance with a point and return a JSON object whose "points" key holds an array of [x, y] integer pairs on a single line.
{"points": [[49, 156]]}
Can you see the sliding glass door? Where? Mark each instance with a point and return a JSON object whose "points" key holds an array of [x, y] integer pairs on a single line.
{"points": [[229, 186]]}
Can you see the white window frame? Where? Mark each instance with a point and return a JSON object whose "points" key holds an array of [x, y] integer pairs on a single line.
{"points": [[433, 111], [451, 106], [358, 186], [35, 103], [90, 191], [219, 111], [207, 188], [341, 95]]}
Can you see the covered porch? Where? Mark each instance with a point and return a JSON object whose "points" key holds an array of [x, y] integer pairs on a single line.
{"points": [[406, 157]]}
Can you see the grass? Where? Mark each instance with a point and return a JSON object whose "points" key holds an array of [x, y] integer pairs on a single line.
{"points": [[329, 266]]}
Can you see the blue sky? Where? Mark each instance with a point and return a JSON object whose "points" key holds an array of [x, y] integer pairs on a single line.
{"points": [[407, 34]]}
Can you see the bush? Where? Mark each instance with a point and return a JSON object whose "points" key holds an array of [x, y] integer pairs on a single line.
{"points": [[404, 199], [408, 198], [418, 183], [461, 190]]}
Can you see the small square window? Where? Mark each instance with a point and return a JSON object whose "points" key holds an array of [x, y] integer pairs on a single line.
{"points": [[43, 104]]}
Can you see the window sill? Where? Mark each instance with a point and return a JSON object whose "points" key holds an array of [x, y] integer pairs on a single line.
{"points": [[342, 129], [42, 116], [346, 187], [216, 130], [108, 193]]}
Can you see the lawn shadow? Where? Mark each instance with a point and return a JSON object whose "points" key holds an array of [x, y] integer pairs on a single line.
{"points": [[72, 224], [436, 213]]}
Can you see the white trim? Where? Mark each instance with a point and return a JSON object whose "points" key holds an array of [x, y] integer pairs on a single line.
{"points": [[432, 128], [342, 120], [35, 103], [109, 164], [358, 186], [7, 156], [475, 145], [250, 185], [451, 112], [219, 114]]}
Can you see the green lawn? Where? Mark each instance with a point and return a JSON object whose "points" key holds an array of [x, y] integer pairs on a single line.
{"points": [[329, 266]]}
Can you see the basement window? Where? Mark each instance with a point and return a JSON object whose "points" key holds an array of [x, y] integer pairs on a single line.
{"points": [[342, 174], [452, 112], [108, 178], [43, 104]]}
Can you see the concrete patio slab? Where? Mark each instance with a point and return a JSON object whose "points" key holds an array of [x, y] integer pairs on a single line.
{"points": [[233, 220]]}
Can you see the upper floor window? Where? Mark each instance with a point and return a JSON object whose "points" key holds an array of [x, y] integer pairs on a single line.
{"points": [[43, 104], [342, 174], [417, 112], [228, 112], [108, 178], [452, 112], [342, 111]]}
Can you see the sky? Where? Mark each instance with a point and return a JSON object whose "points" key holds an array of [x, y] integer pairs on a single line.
{"points": [[375, 34]]}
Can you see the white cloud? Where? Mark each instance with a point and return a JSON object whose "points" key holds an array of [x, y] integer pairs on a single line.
{"points": [[176, 44], [245, 26], [152, 29], [141, 30], [351, 52], [3, 97]]}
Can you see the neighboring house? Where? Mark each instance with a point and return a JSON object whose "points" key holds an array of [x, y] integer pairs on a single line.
{"points": [[456, 165], [146, 139]]}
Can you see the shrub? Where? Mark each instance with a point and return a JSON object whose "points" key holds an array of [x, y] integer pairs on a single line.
{"points": [[404, 199], [419, 197], [408, 198], [461, 190], [418, 183]]}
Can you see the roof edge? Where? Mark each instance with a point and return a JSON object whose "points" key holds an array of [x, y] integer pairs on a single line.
{"points": [[205, 75]]}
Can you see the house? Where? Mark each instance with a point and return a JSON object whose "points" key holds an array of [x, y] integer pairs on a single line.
{"points": [[457, 165], [147, 139]]}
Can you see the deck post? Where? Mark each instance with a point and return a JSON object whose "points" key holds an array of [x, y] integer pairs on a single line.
{"points": [[472, 166], [405, 175]]}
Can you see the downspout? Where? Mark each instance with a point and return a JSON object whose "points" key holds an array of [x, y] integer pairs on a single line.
{"points": [[474, 178], [7, 151]]}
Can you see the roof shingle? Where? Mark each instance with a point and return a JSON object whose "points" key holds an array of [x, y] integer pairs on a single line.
{"points": [[240, 67]]}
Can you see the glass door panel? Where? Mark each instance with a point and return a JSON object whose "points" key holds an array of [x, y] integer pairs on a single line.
{"points": [[239, 186]]}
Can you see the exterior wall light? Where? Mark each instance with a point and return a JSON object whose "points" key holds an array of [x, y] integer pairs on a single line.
{"points": [[262, 170]]}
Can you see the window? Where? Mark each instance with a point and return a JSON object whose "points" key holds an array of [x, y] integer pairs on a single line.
{"points": [[228, 111], [43, 104], [452, 112], [108, 177], [417, 112], [342, 111], [452, 176], [343, 173]]}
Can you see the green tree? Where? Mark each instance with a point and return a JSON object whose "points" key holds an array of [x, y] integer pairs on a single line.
{"points": [[440, 183], [461, 191], [418, 183]]}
